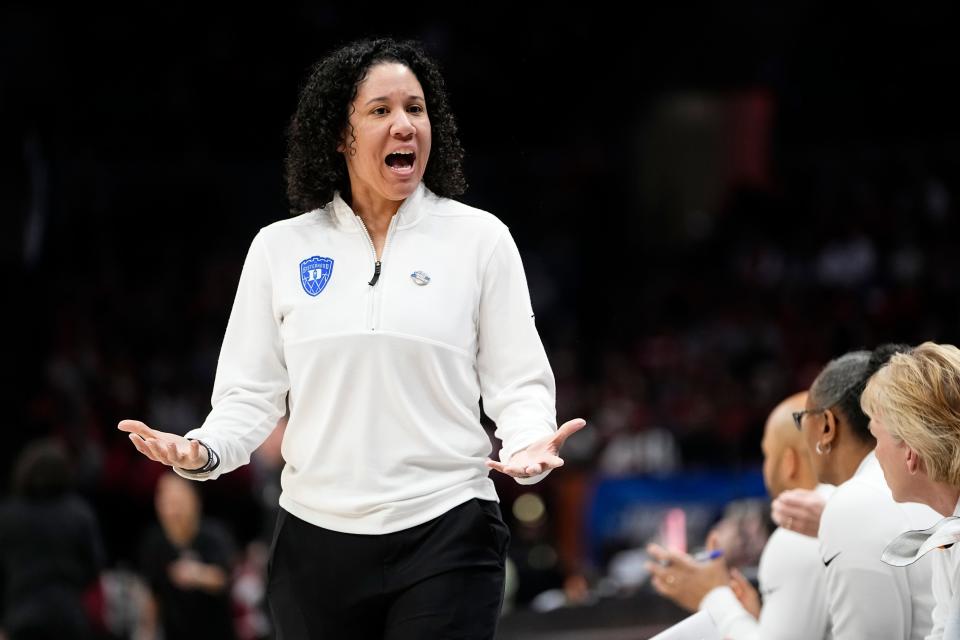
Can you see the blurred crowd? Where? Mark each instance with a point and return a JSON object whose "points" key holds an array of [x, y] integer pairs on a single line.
{"points": [[687, 274]]}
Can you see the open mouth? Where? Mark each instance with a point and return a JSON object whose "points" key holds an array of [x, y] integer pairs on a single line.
{"points": [[401, 161]]}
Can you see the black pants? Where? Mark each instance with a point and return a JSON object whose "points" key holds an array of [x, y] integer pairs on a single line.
{"points": [[441, 579]]}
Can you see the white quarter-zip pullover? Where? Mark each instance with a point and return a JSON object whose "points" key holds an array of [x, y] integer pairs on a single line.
{"points": [[383, 380], [867, 598]]}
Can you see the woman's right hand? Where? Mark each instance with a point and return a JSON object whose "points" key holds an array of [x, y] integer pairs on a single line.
{"points": [[167, 448]]}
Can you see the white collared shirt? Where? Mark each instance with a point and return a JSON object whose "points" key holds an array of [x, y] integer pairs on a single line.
{"points": [[791, 580], [866, 597]]}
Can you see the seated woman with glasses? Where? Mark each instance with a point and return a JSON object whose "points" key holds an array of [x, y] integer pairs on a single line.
{"points": [[865, 598]]}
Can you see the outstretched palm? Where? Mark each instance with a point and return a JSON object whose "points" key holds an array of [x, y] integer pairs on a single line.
{"points": [[167, 448], [541, 455]]}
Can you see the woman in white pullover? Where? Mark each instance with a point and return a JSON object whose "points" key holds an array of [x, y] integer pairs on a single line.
{"points": [[865, 597], [381, 315]]}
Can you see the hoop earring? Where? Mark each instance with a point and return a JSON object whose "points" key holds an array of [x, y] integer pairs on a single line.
{"points": [[821, 451]]}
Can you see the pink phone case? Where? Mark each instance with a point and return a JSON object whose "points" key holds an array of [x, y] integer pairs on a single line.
{"points": [[674, 530]]}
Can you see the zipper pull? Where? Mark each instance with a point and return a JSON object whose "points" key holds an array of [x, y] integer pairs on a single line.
{"points": [[376, 274]]}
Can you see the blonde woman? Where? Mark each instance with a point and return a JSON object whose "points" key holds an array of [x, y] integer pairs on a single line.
{"points": [[914, 408]]}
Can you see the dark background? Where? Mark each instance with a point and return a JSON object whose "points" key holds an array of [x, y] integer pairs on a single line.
{"points": [[711, 201]]}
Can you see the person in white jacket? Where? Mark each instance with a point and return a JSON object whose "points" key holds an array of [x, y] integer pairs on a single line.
{"points": [[791, 575], [381, 314], [866, 598], [914, 408]]}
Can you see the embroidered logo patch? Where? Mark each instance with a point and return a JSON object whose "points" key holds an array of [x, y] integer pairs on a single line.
{"points": [[420, 277], [315, 273]]}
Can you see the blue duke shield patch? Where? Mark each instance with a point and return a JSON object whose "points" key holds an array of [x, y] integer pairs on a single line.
{"points": [[315, 273]]}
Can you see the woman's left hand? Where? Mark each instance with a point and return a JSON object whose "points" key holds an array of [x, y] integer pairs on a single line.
{"points": [[541, 455]]}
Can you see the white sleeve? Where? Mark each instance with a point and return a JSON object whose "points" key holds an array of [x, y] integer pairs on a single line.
{"points": [[732, 620], [797, 610], [942, 568], [251, 383], [516, 381], [866, 598]]}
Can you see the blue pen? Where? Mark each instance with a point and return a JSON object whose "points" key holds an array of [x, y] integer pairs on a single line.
{"points": [[706, 556], [703, 556]]}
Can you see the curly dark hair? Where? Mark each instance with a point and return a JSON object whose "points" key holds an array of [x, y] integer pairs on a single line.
{"points": [[314, 167]]}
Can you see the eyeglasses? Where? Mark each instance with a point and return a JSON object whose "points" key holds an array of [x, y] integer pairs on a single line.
{"points": [[798, 415]]}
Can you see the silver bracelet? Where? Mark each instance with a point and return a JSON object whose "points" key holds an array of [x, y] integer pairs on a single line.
{"points": [[213, 460]]}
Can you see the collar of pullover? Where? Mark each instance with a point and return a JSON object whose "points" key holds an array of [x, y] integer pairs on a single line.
{"points": [[409, 213]]}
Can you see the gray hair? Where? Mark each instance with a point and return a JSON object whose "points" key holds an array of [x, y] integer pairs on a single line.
{"points": [[837, 386]]}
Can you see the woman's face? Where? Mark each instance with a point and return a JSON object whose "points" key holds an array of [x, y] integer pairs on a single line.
{"points": [[389, 115], [892, 455]]}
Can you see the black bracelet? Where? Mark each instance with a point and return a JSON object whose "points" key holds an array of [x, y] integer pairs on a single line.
{"points": [[213, 460]]}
